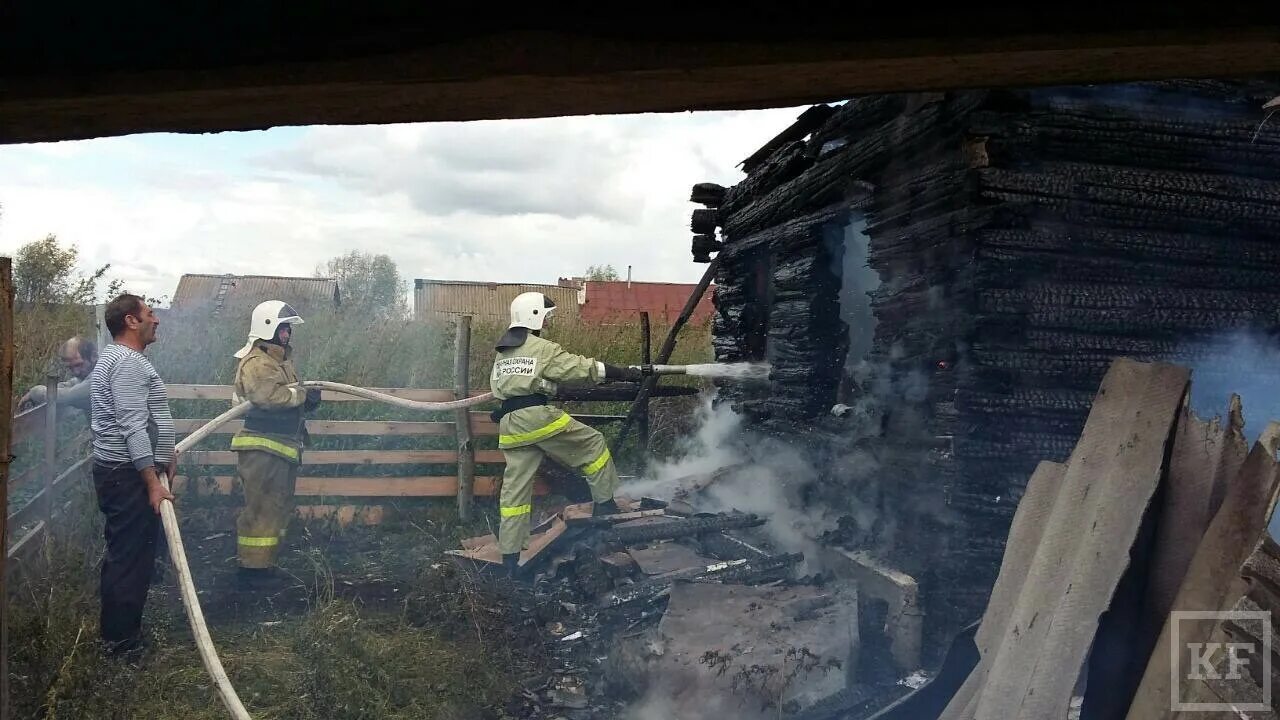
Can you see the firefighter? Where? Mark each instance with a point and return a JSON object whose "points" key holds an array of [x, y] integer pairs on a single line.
{"points": [[269, 448], [524, 377]]}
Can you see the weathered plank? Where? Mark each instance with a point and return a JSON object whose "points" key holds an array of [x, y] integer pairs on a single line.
{"points": [[28, 424], [352, 457], [223, 392], [1084, 545], [480, 421], [35, 504], [417, 486], [1210, 583]]}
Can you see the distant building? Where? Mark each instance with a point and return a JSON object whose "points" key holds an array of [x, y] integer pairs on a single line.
{"points": [[484, 301], [595, 301], [213, 293], [622, 301]]}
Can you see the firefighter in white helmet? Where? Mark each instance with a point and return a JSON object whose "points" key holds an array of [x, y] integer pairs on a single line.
{"points": [[524, 378], [269, 448]]}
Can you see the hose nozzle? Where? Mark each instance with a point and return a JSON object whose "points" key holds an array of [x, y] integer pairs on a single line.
{"points": [[661, 369]]}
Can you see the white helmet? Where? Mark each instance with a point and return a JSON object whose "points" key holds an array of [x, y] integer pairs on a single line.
{"points": [[267, 317], [530, 310]]}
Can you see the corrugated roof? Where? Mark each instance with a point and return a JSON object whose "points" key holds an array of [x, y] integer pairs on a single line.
{"points": [[484, 300], [214, 292]]}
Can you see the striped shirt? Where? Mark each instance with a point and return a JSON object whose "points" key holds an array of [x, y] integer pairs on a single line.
{"points": [[129, 410]]}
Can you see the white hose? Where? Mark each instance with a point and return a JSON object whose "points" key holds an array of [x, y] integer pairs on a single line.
{"points": [[186, 585], [368, 394]]}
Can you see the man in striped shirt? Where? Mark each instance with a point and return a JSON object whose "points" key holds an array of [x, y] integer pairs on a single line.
{"points": [[133, 441]]}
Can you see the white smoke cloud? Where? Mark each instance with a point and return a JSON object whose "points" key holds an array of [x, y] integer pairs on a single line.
{"points": [[759, 475]]}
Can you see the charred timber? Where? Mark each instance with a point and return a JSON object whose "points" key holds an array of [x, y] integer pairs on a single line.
{"points": [[682, 528], [785, 164], [709, 194], [1138, 245], [808, 121], [857, 116], [799, 232], [829, 180], [659, 587], [702, 247], [704, 221]]}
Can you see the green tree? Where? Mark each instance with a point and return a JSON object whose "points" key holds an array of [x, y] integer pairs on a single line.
{"points": [[368, 282], [116, 288], [601, 272], [44, 273]]}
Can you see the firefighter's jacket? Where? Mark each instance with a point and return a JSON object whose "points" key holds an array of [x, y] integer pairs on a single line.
{"points": [[529, 365], [266, 377]]}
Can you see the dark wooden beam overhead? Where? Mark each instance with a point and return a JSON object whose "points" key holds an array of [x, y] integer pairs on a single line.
{"points": [[76, 70]]}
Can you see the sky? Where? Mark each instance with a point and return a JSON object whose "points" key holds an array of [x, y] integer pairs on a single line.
{"points": [[501, 201]]}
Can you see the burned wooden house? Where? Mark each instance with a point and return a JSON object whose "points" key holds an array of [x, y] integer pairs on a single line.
{"points": [[940, 280]]}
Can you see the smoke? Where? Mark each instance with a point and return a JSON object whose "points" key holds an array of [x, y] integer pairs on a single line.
{"points": [[657, 704], [737, 469], [858, 281], [1242, 362]]}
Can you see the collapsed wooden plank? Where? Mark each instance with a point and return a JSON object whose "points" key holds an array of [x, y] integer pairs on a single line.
{"points": [[1083, 550], [1204, 454], [1034, 510], [1211, 583]]}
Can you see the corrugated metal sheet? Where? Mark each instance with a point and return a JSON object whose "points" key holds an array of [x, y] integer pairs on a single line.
{"points": [[434, 299], [217, 292]]}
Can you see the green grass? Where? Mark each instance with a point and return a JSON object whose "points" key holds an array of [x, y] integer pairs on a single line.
{"points": [[443, 647]]}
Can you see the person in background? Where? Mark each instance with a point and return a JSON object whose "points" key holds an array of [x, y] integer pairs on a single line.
{"points": [[269, 448], [78, 355], [133, 442]]}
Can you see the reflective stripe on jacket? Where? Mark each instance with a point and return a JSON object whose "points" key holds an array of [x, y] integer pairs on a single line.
{"points": [[266, 377], [535, 367]]}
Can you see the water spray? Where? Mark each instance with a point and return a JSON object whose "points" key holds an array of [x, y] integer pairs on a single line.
{"points": [[757, 371]]}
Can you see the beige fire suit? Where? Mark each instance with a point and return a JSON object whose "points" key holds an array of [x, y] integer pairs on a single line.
{"points": [[525, 435], [269, 450]]}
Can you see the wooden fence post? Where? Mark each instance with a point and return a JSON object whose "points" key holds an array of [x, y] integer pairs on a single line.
{"points": [[646, 357], [50, 449], [462, 418], [6, 395], [669, 345]]}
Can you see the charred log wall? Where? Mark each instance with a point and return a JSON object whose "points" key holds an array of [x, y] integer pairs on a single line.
{"points": [[1023, 239]]}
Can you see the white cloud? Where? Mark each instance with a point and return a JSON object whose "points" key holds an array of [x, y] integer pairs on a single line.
{"points": [[528, 200]]}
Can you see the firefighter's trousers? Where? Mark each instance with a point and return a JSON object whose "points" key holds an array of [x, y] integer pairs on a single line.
{"points": [[269, 482], [577, 446]]}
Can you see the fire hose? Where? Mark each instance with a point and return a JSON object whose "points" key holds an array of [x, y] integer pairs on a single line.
{"points": [[204, 643]]}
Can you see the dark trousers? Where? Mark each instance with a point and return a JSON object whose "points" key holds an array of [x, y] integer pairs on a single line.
{"points": [[132, 530]]}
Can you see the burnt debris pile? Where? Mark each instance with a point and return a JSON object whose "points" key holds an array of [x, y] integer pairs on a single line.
{"points": [[678, 613]]}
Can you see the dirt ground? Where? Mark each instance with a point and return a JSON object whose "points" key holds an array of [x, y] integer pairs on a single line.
{"points": [[373, 622]]}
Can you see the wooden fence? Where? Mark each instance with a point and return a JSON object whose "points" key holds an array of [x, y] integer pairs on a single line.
{"points": [[327, 494], [341, 495]]}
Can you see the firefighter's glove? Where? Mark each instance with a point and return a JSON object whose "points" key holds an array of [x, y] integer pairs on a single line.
{"points": [[625, 374], [313, 399]]}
